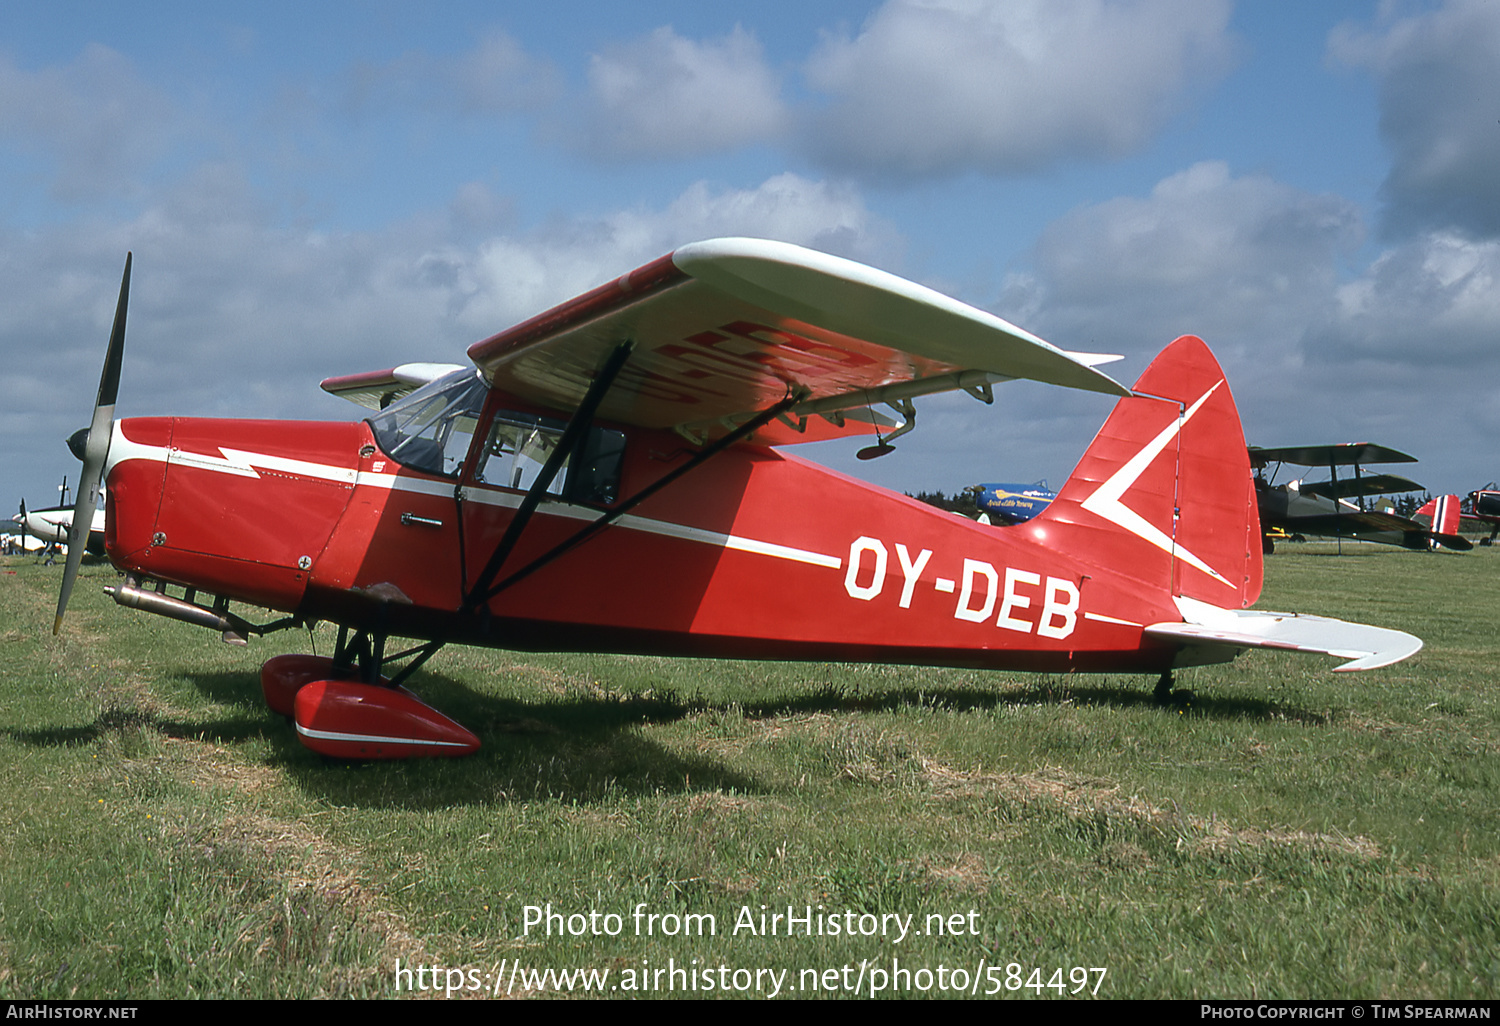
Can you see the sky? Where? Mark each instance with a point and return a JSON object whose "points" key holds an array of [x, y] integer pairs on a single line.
{"points": [[320, 189]]}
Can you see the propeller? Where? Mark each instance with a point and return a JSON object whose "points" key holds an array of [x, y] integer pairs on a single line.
{"points": [[95, 450], [23, 527]]}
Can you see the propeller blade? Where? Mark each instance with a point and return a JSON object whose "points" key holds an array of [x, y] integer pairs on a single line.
{"points": [[96, 450]]}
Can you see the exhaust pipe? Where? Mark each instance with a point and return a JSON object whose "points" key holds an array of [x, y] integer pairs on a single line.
{"points": [[233, 629]]}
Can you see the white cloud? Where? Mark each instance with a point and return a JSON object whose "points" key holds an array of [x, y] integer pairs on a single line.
{"points": [[1433, 301], [1409, 356], [665, 96], [1437, 76], [1242, 261], [94, 121], [500, 76], [514, 277], [233, 314], [237, 315], [944, 86], [1401, 353]]}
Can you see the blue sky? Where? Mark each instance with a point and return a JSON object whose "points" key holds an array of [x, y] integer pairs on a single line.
{"points": [[318, 189]]}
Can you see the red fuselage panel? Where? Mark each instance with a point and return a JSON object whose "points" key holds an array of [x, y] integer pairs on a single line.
{"points": [[240, 508]]}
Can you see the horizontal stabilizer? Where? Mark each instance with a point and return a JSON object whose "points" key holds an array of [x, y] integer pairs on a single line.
{"points": [[1364, 646]]}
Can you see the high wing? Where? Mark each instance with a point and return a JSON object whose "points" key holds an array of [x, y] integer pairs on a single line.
{"points": [[1345, 454], [53, 525], [727, 328]]}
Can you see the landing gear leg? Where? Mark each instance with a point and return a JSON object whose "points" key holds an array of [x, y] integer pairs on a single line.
{"points": [[361, 655], [1163, 693]]}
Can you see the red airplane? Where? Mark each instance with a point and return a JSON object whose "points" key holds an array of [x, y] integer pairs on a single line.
{"points": [[1447, 512], [606, 477]]}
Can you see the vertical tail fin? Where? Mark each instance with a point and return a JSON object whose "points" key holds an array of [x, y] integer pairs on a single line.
{"points": [[1445, 516], [1164, 492], [1443, 512]]}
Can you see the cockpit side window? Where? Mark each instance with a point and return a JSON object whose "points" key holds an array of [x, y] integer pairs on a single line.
{"points": [[596, 468], [520, 443], [518, 447], [430, 429]]}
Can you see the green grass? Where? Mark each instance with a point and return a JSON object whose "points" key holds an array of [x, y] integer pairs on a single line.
{"points": [[1289, 833]]}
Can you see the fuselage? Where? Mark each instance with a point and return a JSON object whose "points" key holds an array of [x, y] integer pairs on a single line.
{"points": [[1290, 508], [1013, 503], [754, 554], [53, 525]]}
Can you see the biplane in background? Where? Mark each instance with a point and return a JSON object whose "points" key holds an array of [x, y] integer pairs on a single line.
{"points": [[605, 477], [1336, 508]]}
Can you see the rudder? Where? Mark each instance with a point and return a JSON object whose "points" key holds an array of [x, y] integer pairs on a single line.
{"points": [[1164, 493]]}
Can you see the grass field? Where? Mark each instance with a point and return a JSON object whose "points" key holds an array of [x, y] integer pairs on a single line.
{"points": [[1290, 833]]}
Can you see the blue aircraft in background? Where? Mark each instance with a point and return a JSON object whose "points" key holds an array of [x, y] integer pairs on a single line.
{"points": [[1012, 503]]}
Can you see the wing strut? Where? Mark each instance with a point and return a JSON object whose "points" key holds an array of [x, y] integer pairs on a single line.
{"points": [[475, 598], [582, 420], [1338, 509]]}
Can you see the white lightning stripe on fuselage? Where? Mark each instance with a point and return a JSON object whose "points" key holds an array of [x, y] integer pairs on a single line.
{"points": [[1105, 501], [241, 463], [236, 462], [248, 464]]}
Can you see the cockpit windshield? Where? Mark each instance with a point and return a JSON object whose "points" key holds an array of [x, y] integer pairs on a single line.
{"points": [[431, 428]]}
